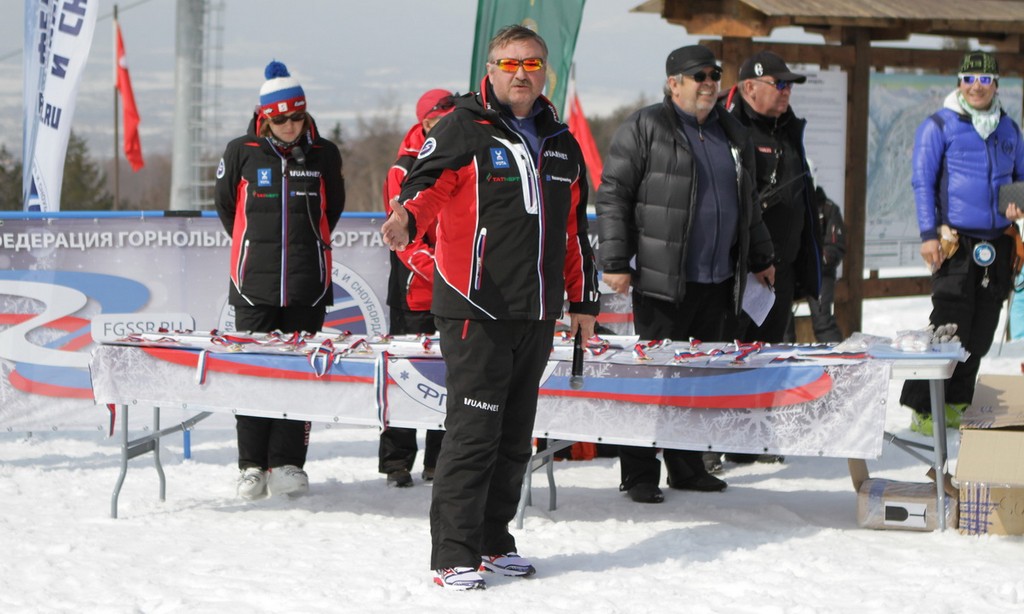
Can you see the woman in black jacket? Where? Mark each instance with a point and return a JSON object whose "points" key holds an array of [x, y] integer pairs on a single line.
{"points": [[279, 195]]}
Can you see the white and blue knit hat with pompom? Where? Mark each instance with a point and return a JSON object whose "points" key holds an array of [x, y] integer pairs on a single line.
{"points": [[281, 93]]}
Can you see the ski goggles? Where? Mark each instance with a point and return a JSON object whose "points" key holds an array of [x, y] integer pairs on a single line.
{"points": [[969, 79], [280, 120], [512, 65]]}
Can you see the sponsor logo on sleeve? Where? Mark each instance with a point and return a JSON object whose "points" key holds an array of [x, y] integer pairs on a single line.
{"points": [[428, 148], [220, 169]]}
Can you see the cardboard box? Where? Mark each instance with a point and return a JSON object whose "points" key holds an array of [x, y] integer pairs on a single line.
{"points": [[908, 506], [990, 468]]}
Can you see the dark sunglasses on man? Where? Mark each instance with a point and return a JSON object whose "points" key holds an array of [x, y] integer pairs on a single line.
{"points": [[700, 77]]}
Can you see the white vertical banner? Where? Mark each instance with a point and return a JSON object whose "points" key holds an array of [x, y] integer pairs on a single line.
{"points": [[58, 36]]}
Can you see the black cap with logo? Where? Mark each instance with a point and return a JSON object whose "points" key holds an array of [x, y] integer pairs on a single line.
{"points": [[768, 64]]}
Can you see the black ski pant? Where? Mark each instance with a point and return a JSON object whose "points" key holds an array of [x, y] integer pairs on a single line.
{"points": [[398, 447], [705, 314], [970, 296], [274, 442], [823, 320], [493, 375]]}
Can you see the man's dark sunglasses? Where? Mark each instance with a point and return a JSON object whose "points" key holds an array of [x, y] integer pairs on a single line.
{"points": [[716, 75]]}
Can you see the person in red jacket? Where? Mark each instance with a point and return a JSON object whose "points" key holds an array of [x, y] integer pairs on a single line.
{"points": [[410, 288]]}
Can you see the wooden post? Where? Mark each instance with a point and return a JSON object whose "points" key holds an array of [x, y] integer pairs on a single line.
{"points": [[849, 313]]}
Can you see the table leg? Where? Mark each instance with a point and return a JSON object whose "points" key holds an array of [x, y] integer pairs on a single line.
{"points": [[147, 443], [938, 398], [156, 454], [124, 461], [536, 462], [552, 491]]}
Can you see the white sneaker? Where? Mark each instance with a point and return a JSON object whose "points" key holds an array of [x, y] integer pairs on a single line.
{"points": [[510, 564], [287, 480], [459, 579], [252, 483]]}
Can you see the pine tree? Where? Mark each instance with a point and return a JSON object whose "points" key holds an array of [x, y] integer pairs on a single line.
{"points": [[83, 186], [10, 181], [336, 136], [368, 158]]}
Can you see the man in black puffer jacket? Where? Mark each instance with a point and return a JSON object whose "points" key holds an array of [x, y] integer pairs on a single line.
{"points": [[677, 221]]}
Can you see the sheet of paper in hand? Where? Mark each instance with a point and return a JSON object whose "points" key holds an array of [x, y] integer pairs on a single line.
{"points": [[1011, 193]]}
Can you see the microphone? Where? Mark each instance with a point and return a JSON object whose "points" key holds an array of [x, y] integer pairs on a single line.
{"points": [[298, 155], [576, 380]]}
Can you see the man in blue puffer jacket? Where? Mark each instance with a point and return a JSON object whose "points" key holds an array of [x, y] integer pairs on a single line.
{"points": [[962, 154]]}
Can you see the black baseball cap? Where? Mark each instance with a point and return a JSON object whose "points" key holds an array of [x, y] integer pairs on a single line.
{"points": [[768, 64], [689, 60]]}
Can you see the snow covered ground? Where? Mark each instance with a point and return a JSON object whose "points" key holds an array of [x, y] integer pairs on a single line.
{"points": [[781, 538]]}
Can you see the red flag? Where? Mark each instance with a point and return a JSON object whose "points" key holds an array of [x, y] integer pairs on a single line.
{"points": [[132, 145], [580, 128]]}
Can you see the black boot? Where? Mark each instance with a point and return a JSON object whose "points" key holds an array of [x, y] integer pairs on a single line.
{"points": [[686, 471]]}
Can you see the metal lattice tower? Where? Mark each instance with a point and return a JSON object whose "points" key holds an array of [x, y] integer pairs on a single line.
{"points": [[199, 36], [213, 45]]}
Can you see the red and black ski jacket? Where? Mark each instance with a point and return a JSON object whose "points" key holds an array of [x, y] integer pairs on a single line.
{"points": [[280, 215], [512, 239], [411, 283]]}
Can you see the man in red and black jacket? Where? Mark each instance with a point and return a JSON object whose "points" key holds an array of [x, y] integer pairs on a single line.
{"points": [[504, 182], [410, 288]]}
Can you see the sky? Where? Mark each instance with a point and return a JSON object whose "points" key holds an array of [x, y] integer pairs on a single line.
{"points": [[782, 538], [353, 58]]}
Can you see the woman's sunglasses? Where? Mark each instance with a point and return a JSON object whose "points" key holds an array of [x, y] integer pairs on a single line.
{"points": [[280, 120]]}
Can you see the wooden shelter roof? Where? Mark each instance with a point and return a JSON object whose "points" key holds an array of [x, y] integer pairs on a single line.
{"points": [[992, 21]]}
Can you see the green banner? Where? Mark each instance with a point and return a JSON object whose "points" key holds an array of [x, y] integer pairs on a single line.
{"points": [[557, 21]]}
